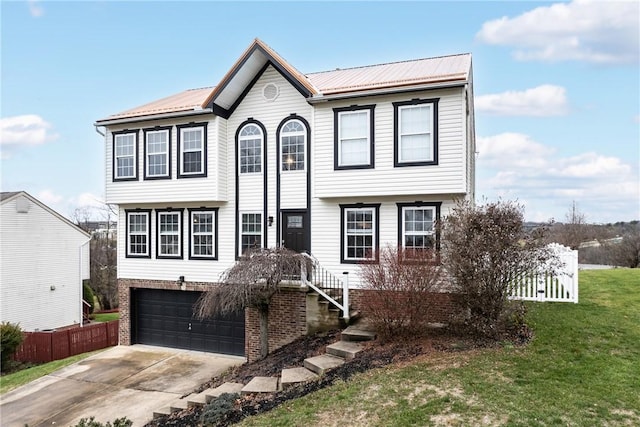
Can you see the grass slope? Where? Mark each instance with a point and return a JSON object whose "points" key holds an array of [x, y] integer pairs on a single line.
{"points": [[582, 368], [106, 317]]}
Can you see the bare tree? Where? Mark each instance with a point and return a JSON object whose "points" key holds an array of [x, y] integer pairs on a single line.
{"points": [[626, 253], [251, 282], [484, 248], [99, 221], [574, 230]]}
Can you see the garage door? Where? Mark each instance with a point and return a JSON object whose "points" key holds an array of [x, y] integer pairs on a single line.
{"points": [[165, 318]]}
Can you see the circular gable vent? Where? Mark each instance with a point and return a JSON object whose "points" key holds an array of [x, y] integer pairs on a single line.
{"points": [[270, 92]]}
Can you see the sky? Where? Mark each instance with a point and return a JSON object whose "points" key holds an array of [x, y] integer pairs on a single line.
{"points": [[557, 84]]}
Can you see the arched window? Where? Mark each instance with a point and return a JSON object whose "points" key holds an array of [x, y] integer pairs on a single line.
{"points": [[293, 139], [250, 143]]}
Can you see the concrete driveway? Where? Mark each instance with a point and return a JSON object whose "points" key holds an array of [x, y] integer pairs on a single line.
{"points": [[130, 381]]}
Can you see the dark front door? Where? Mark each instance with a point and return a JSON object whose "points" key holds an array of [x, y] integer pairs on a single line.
{"points": [[165, 318], [295, 231]]}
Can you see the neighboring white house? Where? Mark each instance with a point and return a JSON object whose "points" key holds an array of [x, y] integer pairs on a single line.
{"points": [[336, 163], [45, 257]]}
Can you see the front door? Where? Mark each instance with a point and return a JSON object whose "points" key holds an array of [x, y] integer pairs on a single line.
{"points": [[295, 233]]}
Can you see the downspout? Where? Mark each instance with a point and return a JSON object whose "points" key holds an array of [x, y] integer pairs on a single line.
{"points": [[82, 284]]}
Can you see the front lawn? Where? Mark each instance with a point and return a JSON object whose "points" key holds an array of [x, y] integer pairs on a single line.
{"points": [[106, 317], [582, 368]]}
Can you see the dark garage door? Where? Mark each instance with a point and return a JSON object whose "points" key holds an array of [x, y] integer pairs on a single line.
{"points": [[165, 318]]}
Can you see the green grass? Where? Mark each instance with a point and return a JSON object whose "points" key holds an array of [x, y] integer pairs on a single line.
{"points": [[581, 369], [106, 317], [16, 379]]}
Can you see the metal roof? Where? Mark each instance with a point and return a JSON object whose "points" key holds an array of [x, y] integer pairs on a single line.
{"points": [[389, 76]]}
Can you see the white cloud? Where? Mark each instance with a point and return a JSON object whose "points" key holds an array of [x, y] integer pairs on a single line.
{"points": [[87, 203], [515, 149], [49, 198], [35, 9], [541, 101], [592, 31], [29, 129], [514, 166]]}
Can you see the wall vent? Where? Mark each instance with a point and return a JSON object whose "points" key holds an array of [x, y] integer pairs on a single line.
{"points": [[22, 205], [270, 92]]}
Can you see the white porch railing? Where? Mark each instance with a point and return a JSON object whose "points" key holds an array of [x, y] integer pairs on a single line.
{"points": [[559, 285], [326, 284]]}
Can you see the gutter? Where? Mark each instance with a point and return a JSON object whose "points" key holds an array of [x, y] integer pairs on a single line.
{"points": [[81, 280], [108, 122], [384, 91]]}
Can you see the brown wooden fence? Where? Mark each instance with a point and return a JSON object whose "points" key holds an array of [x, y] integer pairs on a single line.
{"points": [[55, 345]]}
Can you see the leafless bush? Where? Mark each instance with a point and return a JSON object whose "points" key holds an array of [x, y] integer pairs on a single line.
{"points": [[251, 282], [399, 286], [484, 248], [627, 252]]}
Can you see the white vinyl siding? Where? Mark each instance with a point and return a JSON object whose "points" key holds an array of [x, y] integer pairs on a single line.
{"points": [[212, 187], [447, 177], [44, 259]]}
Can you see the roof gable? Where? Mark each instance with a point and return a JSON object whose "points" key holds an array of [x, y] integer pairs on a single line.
{"points": [[247, 69]]}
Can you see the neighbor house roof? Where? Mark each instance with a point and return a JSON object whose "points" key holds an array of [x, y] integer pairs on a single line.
{"points": [[6, 195], [223, 98]]}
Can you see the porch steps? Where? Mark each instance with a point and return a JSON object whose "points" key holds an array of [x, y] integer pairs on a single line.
{"points": [[291, 376], [208, 395], [262, 385], [345, 349], [323, 363], [357, 333]]}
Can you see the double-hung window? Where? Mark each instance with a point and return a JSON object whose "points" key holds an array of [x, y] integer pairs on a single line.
{"points": [[192, 150], [157, 142], [417, 225], [293, 139], [125, 154], [354, 137], [251, 232], [250, 141], [203, 240], [416, 132], [169, 234], [138, 237], [359, 228]]}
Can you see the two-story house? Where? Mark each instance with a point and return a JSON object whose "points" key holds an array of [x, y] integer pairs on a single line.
{"points": [[337, 164]]}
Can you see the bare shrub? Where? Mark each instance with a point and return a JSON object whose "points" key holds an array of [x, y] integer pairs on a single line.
{"points": [[251, 282], [626, 253], [399, 285], [485, 248]]}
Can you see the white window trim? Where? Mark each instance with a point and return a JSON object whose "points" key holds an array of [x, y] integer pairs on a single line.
{"points": [[431, 156], [368, 136], [166, 153], [418, 233], [147, 233], [160, 233], [373, 233], [302, 133], [182, 150], [192, 234], [116, 157], [242, 233], [245, 138]]}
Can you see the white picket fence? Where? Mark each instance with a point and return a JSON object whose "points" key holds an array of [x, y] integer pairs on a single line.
{"points": [[561, 285]]}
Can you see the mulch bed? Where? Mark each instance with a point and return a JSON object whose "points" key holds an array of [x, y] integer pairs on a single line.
{"points": [[374, 355]]}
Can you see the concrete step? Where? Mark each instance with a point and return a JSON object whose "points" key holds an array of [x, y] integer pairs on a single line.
{"points": [[209, 394], [355, 333], [262, 385], [159, 413], [178, 405], [344, 349], [323, 363], [292, 376]]}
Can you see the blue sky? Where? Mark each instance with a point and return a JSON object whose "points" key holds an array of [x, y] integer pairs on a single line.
{"points": [[557, 85]]}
